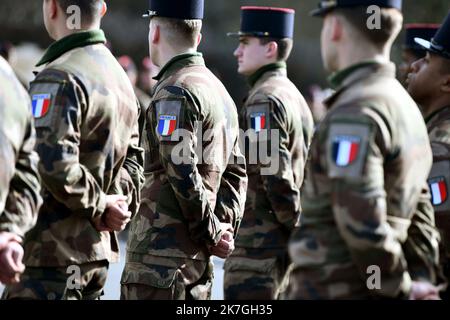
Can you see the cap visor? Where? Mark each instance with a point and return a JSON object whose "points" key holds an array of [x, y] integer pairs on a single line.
{"points": [[320, 12], [423, 43], [233, 34]]}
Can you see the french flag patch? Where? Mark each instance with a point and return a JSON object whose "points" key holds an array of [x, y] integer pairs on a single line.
{"points": [[40, 104], [166, 125], [258, 121], [438, 189], [345, 150]]}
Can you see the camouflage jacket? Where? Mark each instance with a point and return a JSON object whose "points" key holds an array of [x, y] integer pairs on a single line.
{"points": [[194, 169], [86, 117], [19, 180], [438, 125], [273, 198], [365, 199]]}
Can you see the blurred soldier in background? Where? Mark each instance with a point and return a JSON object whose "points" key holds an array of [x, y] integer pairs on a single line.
{"points": [[411, 50], [86, 117], [147, 72], [193, 199], [19, 180], [429, 85], [257, 267], [130, 68], [367, 225]]}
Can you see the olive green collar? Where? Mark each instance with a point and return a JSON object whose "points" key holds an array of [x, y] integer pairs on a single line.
{"points": [[435, 113], [252, 79], [179, 61], [76, 40], [337, 78]]}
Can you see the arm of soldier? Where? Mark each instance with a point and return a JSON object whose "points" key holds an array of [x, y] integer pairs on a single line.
{"points": [[282, 192], [231, 197], [24, 199], [58, 145], [184, 177], [354, 153], [130, 178], [422, 246]]}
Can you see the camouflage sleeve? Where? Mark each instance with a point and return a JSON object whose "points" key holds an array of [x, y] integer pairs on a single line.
{"points": [[355, 150], [183, 171], [130, 178], [231, 197], [58, 143], [422, 246], [281, 190], [20, 185]]}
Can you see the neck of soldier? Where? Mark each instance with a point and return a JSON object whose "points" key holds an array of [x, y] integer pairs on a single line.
{"points": [[167, 52], [434, 103], [355, 53], [62, 31]]}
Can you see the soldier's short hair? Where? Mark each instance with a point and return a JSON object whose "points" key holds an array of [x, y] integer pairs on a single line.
{"points": [[90, 9], [391, 21], [181, 32], [284, 46]]}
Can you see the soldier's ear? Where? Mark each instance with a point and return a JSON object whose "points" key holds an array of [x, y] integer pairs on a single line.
{"points": [[155, 34], [337, 28], [53, 8], [445, 87], [199, 39], [272, 50], [104, 9]]}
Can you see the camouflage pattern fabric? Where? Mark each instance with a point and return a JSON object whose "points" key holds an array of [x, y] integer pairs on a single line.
{"points": [[438, 125], [160, 278], [185, 197], [86, 117], [19, 179], [273, 200], [58, 284], [365, 201]]}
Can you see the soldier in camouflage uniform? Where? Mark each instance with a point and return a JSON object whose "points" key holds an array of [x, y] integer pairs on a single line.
{"points": [[19, 180], [257, 267], [366, 228], [86, 117], [195, 187], [429, 85]]}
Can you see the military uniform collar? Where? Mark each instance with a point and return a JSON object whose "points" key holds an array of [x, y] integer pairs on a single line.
{"points": [[76, 40], [345, 78], [178, 62], [436, 116], [263, 71]]}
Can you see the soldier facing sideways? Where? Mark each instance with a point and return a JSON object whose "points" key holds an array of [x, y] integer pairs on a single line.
{"points": [[412, 51], [257, 267], [429, 85], [195, 187], [19, 180], [365, 201], [86, 117]]}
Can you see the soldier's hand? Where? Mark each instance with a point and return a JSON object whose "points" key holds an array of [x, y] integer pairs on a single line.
{"points": [[7, 237], [421, 290], [116, 215], [11, 265], [226, 244]]}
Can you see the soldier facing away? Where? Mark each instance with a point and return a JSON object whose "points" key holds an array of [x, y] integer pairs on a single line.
{"points": [[365, 202], [429, 85], [86, 117], [195, 187], [19, 180], [257, 267]]}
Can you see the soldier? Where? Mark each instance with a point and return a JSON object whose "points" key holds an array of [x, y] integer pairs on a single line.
{"points": [[411, 50], [86, 117], [19, 180], [257, 267], [366, 228], [429, 85], [195, 187], [130, 68]]}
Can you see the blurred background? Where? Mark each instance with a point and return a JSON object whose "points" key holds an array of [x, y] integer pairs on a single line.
{"points": [[23, 39]]}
